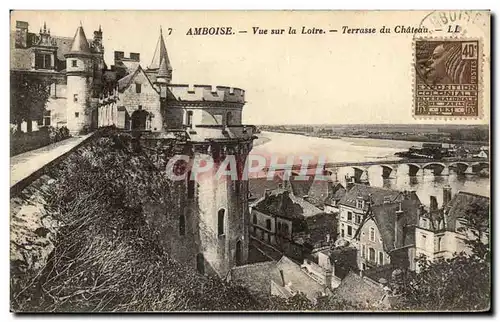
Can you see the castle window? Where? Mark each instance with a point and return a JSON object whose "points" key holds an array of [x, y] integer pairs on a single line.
{"points": [[349, 231], [75, 97], [363, 251], [200, 263], [439, 244], [43, 61], [349, 216], [220, 222], [189, 118], [268, 224], [74, 63], [381, 258], [182, 225], [358, 219], [229, 118], [137, 88], [77, 114], [190, 186], [372, 234], [285, 228]]}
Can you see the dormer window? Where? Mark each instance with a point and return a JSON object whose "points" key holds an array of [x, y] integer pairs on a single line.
{"points": [[43, 61], [360, 204], [138, 88]]}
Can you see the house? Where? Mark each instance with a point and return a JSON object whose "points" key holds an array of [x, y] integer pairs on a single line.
{"points": [[363, 292], [284, 278], [380, 224], [290, 224], [441, 234]]}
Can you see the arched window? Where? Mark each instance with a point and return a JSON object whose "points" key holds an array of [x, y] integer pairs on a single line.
{"points": [[220, 222], [372, 234], [229, 118], [439, 244], [200, 263], [182, 225], [254, 219]]}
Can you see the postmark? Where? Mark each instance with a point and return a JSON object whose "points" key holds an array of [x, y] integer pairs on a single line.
{"points": [[447, 82]]}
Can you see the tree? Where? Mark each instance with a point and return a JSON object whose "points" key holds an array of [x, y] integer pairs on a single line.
{"points": [[461, 283], [28, 95]]}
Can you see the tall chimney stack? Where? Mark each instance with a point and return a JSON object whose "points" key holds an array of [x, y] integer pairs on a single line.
{"points": [[446, 195]]}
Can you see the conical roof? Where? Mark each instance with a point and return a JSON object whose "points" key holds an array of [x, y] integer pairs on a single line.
{"points": [[163, 69], [80, 43], [160, 55]]}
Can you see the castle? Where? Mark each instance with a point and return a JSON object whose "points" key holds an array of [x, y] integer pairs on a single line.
{"points": [[211, 233]]}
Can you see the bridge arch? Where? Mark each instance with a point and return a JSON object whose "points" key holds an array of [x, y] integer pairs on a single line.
{"points": [[358, 172], [477, 167], [386, 170], [437, 167], [459, 167], [413, 169]]}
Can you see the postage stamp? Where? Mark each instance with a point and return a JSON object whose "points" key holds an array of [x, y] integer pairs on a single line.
{"points": [[447, 78]]}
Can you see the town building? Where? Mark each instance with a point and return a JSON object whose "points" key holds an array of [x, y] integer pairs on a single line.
{"points": [[380, 223], [441, 233], [289, 224]]}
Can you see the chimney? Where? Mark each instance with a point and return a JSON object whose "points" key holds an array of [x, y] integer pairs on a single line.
{"points": [[397, 232], [433, 203], [350, 181], [135, 57], [446, 195], [282, 278], [119, 55], [21, 34], [328, 278]]}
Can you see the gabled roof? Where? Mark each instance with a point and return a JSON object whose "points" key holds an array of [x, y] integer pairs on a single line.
{"points": [[459, 206], [385, 217], [124, 82], [337, 193], [258, 186], [375, 194], [256, 277], [299, 281], [80, 43], [282, 203], [357, 290]]}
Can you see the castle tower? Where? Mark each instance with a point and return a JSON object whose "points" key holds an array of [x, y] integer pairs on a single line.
{"points": [[217, 205], [79, 73]]}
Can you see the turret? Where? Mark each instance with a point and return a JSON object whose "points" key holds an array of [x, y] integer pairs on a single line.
{"points": [[161, 57], [79, 68]]}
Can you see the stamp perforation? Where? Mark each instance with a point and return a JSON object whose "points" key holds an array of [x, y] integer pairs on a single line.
{"points": [[480, 95]]}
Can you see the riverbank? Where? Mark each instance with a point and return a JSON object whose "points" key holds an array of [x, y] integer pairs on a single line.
{"points": [[400, 138], [261, 139]]}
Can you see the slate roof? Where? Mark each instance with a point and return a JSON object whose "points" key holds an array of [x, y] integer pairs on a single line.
{"points": [[337, 193], [257, 186], [282, 203], [124, 82], [357, 290], [256, 277], [458, 207], [300, 281], [385, 217], [376, 194], [80, 43]]}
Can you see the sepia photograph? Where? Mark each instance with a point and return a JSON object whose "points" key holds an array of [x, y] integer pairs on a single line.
{"points": [[250, 161]]}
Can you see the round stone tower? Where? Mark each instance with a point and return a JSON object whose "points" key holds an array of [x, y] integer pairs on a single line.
{"points": [[79, 73], [217, 202]]}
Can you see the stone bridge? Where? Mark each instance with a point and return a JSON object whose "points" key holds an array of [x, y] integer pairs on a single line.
{"points": [[443, 167], [438, 167]]}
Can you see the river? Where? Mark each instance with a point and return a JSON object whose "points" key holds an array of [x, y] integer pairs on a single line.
{"points": [[360, 149]]}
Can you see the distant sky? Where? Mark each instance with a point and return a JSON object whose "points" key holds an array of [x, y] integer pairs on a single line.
{"points": [[290, 79]]}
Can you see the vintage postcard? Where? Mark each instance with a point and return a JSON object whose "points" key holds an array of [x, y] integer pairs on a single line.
{"points": [[270, 161]]}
